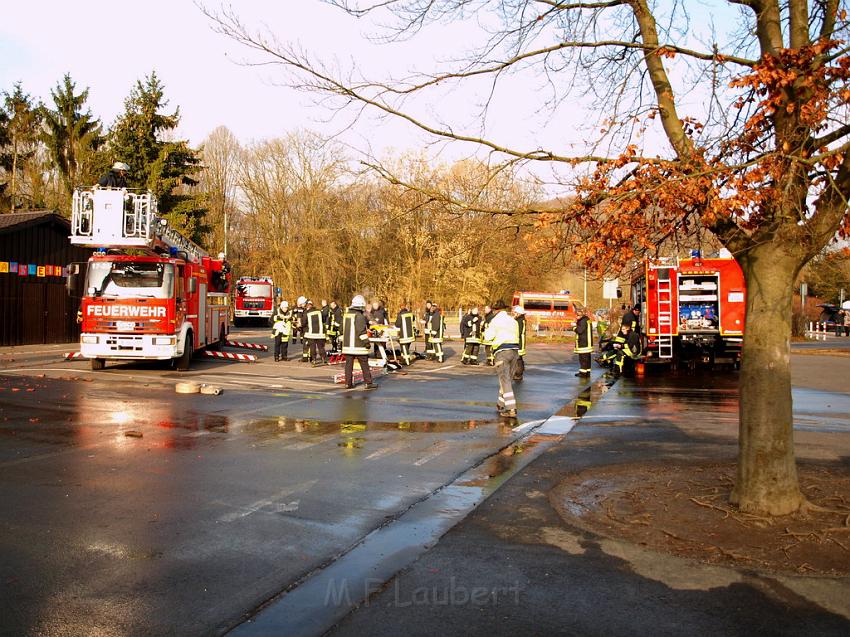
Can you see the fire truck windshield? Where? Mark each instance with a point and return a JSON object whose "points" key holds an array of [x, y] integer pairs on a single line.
{"points": [[254, 289], [130, 279]]}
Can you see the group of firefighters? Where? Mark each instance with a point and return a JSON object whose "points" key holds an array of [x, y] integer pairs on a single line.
{"points": [[355, 332], [349, 331]]}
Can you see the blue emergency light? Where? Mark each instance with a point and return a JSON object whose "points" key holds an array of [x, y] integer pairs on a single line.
{"points": [[172, 251], [696, 254]]}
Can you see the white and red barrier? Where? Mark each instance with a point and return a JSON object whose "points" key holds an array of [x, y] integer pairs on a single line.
{"points": [[245, 345], [231, 356], [69, 356]]}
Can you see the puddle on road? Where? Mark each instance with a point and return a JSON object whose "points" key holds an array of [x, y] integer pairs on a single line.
{"points": [[271, 427]]}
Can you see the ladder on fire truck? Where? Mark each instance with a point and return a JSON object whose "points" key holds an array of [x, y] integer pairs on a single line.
{"points": [[122, 219], [664, 311]]}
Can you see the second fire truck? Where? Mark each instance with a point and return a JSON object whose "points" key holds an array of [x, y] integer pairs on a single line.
{"points": [[693, 309], [149, 293]]}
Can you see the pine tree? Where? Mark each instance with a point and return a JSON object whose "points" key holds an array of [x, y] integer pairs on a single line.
{"points": [[167, 168], [72, 135], [24, 121]]}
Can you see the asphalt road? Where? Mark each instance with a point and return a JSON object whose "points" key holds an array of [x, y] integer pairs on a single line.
{"points": [[132, 510]]}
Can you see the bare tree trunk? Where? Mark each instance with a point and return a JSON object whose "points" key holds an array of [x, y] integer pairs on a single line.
{"points": [[767, 474], [14, 190]]}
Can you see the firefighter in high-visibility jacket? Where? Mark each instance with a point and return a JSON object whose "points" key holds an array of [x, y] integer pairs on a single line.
{"points": [[630, 347], [314, 333], [406, 336], [519, 317], [584, 343], [426, 331], [281, 330], [470, 331], [333, 325], [488, 349], [355, 342], [298, 326], [435, 327], [503, 335]]}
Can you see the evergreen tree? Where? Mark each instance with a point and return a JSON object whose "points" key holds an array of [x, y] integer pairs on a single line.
{"points": [[167, 168], [24, 121], [72, 135], [5, 158]]}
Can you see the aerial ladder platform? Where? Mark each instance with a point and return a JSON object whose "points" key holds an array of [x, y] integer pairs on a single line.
{"points": [[119, 218]]}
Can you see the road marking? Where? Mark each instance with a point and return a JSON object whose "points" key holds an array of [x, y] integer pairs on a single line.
{"points": [[312, 442], [439, 449], [384, 451], [274, 502], [557, 426]]}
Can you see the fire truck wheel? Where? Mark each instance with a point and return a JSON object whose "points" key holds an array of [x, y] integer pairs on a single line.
{"points": [[97, 364], [183, 361]]}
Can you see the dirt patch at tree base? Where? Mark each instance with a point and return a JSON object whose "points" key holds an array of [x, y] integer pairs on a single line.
{"points": [[684, 510]]}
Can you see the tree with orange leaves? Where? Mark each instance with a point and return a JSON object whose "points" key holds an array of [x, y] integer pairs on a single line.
{"points": [[762, 162]]}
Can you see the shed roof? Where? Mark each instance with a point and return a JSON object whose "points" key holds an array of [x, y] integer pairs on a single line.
{"points": [[20, 220]]}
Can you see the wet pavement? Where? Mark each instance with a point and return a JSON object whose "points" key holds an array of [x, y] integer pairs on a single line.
{"points": [[132, 510], [514, 566]]}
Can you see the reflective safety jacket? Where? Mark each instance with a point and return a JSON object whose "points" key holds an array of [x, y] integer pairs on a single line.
{"points": [[502, 332], [282, 323], [355, 333], [631, 319], [314, 326], [333, 321], [520, 321], [470, 328], [632, 345], [298, 318], [584, 335], [484, 323], [404, 323], [435, 326]]}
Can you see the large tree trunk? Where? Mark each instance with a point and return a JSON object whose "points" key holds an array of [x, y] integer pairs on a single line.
{"points": [[767, 474]]}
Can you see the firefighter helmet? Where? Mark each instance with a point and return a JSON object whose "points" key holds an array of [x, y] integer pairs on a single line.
{"points": [[120, 165], [518, 309], [284, 305], [358, 301], [301, 300]]}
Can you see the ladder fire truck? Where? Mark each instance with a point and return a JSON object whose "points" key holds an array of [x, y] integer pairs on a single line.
{"points": [[150, 293], [254, 299], [693, 309]]}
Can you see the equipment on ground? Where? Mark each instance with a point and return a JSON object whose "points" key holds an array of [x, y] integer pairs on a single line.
{"points": [[150, 293]]}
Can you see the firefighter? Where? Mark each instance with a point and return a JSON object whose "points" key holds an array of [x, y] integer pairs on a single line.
{"points": [[436, 327], [426, 321], [584, 343], [377, 315], [355, 342], [632, 318], [298, 319], [116, 177], [333, 325], [609, 351], [404, 322], [503, 335], [629, 348], [281, 330], [519, 317], [488, 349], [314, 334], [470, 332]]}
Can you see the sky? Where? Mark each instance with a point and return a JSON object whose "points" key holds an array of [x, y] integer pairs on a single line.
{"points": [[107, 47]]}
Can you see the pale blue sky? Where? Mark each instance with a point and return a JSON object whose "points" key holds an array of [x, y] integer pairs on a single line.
{"points": [[107, 46]]}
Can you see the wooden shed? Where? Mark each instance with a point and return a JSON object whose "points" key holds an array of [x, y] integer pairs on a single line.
{"points": [[34, 305]]}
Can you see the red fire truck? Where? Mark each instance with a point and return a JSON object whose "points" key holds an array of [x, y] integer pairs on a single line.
{"points": [[254, 299], [692, 309], [150, 293]]}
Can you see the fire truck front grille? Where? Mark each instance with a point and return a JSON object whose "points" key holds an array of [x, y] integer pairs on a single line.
{"points": [[124, 327]]}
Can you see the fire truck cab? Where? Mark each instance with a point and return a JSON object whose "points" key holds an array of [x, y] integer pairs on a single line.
{"points": [[254, 299], [149, 292], [693, 309]]}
